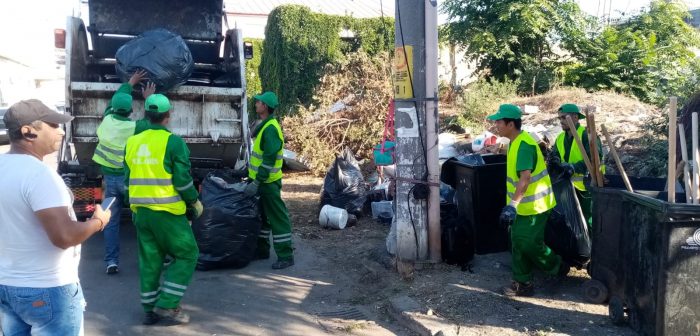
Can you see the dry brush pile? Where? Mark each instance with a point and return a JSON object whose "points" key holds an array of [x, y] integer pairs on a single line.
{"points": [[359, 88]]}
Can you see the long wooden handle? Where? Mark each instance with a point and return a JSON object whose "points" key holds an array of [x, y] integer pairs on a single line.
{"points": [[593, 145], [686, 166], [586, 160], [672, 150], [613, 151]]}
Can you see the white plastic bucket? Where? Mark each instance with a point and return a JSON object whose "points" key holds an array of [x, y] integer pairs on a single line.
{"points": [[332, 217]]}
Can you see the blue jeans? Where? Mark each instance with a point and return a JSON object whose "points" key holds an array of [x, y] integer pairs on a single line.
{"points": [[114, 187], [42, 311]]}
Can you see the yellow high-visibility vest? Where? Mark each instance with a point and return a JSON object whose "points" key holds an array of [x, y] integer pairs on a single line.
{"points": [[150, 185], [539, 195], [574, 156], [112, 134], [256, 157]]}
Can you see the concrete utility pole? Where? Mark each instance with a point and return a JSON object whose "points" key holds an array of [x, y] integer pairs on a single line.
{"points": [[415, 91]]}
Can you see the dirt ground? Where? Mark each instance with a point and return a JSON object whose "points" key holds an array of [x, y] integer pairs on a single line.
{"points": [[466, 298]]}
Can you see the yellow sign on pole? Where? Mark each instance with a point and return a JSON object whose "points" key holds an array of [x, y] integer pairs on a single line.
{"points": [[403, 72]]}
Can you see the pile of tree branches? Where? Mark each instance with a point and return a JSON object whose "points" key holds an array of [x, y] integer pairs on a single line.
{"points": [[351, 106]]}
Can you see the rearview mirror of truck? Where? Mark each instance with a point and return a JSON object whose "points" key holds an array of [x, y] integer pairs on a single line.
{"points": [[248, 50]]}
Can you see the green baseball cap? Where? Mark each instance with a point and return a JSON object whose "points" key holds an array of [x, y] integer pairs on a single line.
{"points": [[269, 98], [571, 108], [121, 102], [509, 111], [157, 103]]}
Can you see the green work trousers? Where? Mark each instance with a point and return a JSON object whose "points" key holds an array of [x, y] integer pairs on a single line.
{"points": [[586, 200], [160, 233], [528, 248], [275, 220]]}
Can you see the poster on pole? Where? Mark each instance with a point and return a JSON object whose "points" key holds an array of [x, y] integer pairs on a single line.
{"points": [[403, 72]]}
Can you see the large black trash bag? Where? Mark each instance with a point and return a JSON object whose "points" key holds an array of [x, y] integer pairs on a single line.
{"points": [[457, 237], [163, 54], [344, 186], [567, 230], [227, 231]]}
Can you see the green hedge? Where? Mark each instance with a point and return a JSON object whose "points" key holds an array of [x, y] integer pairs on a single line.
{"points": [[299, 43], [252, 77]]}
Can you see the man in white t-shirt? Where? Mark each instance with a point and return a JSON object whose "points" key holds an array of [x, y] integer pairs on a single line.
{"points": [[40, 238]]}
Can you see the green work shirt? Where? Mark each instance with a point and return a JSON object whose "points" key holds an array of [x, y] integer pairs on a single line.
{"points": [[271, 144], [579, 167], [177, 163], [526, 159]]}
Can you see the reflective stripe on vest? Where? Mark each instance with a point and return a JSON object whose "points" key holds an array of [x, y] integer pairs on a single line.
{"points": [[112, 134], [150, 185], [539, 196], [256, 157], [574, 156]]}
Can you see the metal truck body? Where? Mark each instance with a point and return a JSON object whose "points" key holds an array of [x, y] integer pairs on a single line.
{"points": [[209, 111]]}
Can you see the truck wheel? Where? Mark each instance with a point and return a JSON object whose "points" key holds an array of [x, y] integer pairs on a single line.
{"points": [[595, 291], [616, 310]]}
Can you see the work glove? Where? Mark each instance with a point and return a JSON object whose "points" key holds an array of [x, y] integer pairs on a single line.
{"points": [[507, 216], [252, 188], [567, 169], [198, 209]]}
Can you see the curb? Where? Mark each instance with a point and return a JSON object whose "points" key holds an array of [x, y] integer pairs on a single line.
{"points": [[419, 319]]}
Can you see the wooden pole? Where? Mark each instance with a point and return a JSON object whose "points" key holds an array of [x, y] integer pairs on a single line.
{"points": [[672, 150], [593, 145], [696, 157], [618, 162], [586, 160], [686, 166]]}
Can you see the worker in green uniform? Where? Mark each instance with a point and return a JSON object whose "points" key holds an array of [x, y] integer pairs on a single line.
{"points": [[567, 156], [265, 174], [529, 200], [160, 190], [112, 133]]}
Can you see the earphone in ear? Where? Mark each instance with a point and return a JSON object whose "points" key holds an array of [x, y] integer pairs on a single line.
{"points": [[29, 135]]}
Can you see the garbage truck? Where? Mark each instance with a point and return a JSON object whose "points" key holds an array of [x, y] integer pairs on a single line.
{"points": [[209, 110]]}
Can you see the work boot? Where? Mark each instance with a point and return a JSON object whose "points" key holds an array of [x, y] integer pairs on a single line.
{"points": [[174, 315], [150, 318], [280, 264], [519, 289], [112, 269]]}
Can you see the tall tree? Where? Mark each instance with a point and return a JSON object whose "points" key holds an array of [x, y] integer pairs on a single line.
{"points": [[513, 39]]}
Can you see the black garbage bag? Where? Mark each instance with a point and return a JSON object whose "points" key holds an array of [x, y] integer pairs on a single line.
{"points": [[227, 231], [457, 237], [567, 230], [162, 53], [344, 186]]}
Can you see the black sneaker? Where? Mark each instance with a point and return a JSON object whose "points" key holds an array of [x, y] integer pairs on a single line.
{"points": [[112, 269], [519, 289], [281, 264], [150, 318], [174, 316]]}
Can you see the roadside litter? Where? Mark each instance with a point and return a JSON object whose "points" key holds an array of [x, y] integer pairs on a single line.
{"points": [[344, 186]]}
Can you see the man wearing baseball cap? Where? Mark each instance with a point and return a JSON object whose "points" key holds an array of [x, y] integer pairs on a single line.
{"points": [[39, 235], [565, 155], [160, 191], [529, 200], [265, 174]]}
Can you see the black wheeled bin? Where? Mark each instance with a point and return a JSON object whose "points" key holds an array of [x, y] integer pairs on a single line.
{"points": [[481, 195], [661, 263], [605, 267]]}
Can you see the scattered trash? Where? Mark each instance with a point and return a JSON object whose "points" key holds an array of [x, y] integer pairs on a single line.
{"points": [[292, 162], [485, 139], [344, 186], [382, 207], [446, 145], [332, 217]]}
